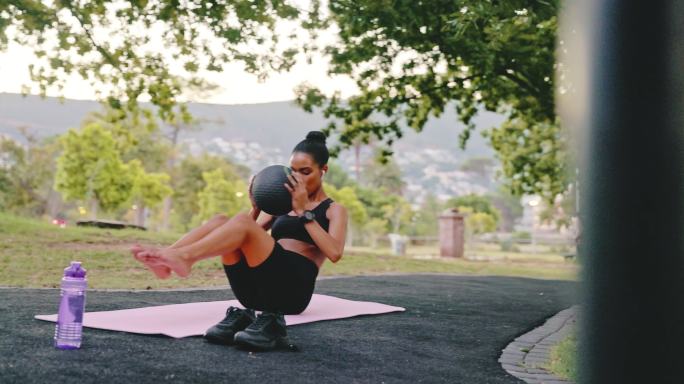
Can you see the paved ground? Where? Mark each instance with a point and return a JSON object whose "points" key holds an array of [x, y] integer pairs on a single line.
{"points": [[526, 357], [453, 331]]}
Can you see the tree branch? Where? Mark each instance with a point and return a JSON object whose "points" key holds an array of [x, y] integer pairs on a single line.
{"points": [[108, 57]]}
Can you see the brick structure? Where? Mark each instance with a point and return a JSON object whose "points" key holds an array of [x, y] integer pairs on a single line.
{"points": [[451, 233]]}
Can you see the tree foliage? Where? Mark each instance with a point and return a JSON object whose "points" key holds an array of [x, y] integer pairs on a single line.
{"points": [[189, 183], [481, 217], [149, 188], [426, 219], [347, 197], [382, 174], [26, 174], [337, 176], [477, 202], [508, 205], [157, 50], [137, 135], [412, 60], [220, 196], [478, 222], [90, 168]]}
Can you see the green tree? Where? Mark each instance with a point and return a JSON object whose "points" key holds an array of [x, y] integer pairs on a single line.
{"points": [[137, 135], [508, 205], [148, 190], [399, 214], [373, 200], [114, 43], [357, 212], [346, 196], [478, 204], [412, 60], [337, 177], [26, 173], [220, 196], [426, 219], [384, 173], [478, 222], [189, 182], [91, 169], [373, 229]]}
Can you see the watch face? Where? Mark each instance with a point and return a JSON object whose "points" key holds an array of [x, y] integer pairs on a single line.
{"points": [[308, 215]]}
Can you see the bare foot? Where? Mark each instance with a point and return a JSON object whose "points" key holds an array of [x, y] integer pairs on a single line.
{"points": [[160, 270], [168, 257]]}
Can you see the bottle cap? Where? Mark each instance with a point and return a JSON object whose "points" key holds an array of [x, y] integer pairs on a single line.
{"points": [[75, 270]]}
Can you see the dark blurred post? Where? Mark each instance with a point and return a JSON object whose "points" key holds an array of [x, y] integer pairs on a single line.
{"points": [[633, 192]]}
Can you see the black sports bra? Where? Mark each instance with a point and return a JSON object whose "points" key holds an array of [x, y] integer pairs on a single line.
{"points": [[289, 227]]}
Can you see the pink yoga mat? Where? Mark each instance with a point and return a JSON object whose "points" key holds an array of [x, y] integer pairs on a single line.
{"points": [[193, 319]]}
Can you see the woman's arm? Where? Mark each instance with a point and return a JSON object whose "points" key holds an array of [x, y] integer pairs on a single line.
{"points": [[331, 243], [262, 218]]}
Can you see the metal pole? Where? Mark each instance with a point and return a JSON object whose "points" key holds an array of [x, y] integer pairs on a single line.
{"points": [[633, 191]]}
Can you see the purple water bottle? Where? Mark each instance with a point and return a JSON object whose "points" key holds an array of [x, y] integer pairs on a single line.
{"points": [[71, 307]]}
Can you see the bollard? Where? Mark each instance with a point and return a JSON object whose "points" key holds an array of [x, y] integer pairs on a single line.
{"points": [[451, 233]]}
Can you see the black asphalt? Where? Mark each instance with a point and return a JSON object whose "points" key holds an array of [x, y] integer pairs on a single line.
{"points": [[453, 331]]}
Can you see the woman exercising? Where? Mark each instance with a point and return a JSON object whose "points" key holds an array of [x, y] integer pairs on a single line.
{"points": [[275, 273]]}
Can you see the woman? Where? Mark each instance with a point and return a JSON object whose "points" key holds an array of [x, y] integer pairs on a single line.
{"points": [[274, 273]]}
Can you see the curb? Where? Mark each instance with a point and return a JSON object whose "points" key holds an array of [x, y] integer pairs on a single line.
{"points": [[526, 356]]}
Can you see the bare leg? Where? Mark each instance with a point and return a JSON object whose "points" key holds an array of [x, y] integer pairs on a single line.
{"points": [[201, 231], [240, 233], [228, 258], [162, 271]]}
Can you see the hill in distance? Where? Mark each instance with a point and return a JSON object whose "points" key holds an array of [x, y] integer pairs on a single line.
{"points": [[272, 125]]}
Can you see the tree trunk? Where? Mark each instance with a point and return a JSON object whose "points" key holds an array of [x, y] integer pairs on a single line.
{"points": [[166, 212], [140, 214], [93, 209], [170, 163], [54, 203]]}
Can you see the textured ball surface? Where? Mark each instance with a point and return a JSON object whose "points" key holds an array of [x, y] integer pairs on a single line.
{"points": [[270, 195]]}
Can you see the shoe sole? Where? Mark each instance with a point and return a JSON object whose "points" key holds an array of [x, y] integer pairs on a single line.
{"points": [[261, 346], [219, 340]]}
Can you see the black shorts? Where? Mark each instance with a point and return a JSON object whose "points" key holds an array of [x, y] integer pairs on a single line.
{"points": [[284, 282]]}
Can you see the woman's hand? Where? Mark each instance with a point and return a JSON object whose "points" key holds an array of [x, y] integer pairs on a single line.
{"points": [[300, 197]]}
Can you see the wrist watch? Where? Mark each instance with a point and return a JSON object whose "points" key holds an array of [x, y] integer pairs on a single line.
{"points": [[307, 217]]}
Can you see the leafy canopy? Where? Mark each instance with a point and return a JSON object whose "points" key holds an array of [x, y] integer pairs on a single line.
{"points": [[220, 195], [90, 168], [413, 59], [159, 50]]}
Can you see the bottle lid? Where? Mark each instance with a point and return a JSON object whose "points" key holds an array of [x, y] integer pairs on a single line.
{"points": [[75, 270]]}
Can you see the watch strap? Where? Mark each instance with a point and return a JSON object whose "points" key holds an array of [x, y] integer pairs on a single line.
{"points": [[307, 217]]}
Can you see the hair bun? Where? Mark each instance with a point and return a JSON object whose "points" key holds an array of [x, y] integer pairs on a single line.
{"points": [[316, 136]]}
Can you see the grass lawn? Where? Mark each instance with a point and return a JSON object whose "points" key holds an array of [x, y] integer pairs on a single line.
{"points": [[563, 361], [33, 253]]}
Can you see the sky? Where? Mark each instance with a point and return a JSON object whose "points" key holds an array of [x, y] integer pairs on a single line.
{"points": [[236, 85]]}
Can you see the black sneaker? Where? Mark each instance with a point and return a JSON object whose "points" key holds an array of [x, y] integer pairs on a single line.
{"points": [[267, 332], [236, 320]]}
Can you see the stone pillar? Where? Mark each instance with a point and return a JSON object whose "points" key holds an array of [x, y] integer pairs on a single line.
{"points": [[451, 233]]}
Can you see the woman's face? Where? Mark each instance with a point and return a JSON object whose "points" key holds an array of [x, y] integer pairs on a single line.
{"points": [[306, 170]]}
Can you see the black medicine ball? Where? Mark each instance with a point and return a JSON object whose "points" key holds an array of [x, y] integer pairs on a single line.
{"points": [[270, 195]]}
